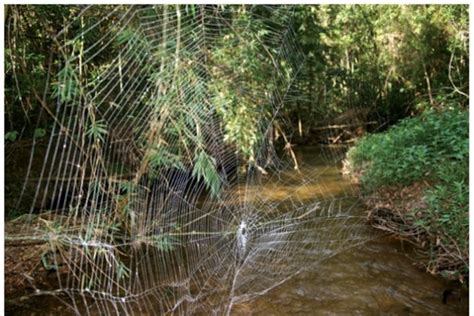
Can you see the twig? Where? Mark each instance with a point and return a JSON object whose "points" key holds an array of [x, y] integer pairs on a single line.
{"points": [[456, 89], [344, 125]]}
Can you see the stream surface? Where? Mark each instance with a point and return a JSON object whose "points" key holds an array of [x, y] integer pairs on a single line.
{"points": [[377, 278]]}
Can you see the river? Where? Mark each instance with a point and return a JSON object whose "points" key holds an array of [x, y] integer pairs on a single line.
{"points": [[376, 278]]}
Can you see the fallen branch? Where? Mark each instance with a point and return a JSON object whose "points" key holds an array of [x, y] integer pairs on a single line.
{"points": [[344, 125]]}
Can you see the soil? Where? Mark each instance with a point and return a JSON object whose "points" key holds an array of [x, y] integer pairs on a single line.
{"points": [[25, 272], [394, 209]]}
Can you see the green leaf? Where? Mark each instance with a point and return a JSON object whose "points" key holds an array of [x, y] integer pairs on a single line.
{"points": [[11, 136], [39, 133], [160, 156], [97, 130], [205, 168]]}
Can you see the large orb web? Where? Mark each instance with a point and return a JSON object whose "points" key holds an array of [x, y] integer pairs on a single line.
{"points": [[147, 205]]}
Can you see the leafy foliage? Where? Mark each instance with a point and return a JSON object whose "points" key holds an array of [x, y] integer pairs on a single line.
{"points": [[384, 58], [393, 60], [447, 212], [11, 136], [160, 157], [66, 88], [205, 168], [413, 149], [97, 130], [241, 111], [433, 147]]}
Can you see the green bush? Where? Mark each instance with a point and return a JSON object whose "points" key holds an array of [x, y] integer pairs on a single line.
{"points": [[447, 212], [433, 147], [416, 148]]}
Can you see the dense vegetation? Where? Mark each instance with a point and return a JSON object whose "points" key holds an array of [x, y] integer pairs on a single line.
{"points": [[384, 62], [432, 148], [363, 67], [419, 148]]}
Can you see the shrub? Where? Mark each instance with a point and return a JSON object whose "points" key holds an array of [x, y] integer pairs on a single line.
{"points": [[416, 148], [433, 147]]}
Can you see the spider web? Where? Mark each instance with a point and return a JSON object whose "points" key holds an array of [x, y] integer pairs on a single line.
{"points": [[149, 206]]}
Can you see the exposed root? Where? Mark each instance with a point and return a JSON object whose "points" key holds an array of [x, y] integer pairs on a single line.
{"points": [[397, 209]]}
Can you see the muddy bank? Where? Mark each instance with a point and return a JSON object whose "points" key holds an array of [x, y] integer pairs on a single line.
{"points": [[24, 271], [400, 210]]}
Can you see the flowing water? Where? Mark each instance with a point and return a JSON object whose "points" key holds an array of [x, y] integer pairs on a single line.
{"points": [[377, 278]]}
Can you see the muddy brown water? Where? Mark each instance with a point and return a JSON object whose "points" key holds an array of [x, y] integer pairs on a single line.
{"points": [[377, 278]]}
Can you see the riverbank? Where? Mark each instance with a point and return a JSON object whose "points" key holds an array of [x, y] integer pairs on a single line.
{"points": [[414, 181], [27, 260], [378, 276]]}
